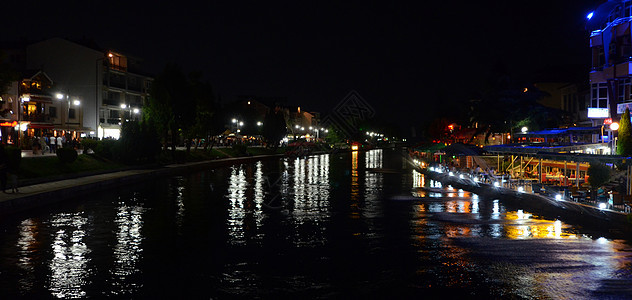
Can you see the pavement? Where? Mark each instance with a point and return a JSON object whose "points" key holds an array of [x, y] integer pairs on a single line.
{"points": [[29, 153]]}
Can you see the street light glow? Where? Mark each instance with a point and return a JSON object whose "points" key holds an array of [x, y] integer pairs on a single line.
{"points": [[614, 126], [136, 110], [59, 96], [123, 106], [524, 129], [234, 120], [76, 102]]}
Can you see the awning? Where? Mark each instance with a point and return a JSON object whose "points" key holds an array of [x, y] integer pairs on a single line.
{"points": [[42, 126], [40, 98]]}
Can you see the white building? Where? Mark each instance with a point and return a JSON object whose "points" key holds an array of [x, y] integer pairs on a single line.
{"points": [[103, 81]]}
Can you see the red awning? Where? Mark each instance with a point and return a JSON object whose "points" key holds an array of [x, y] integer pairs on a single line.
{"points": [[42, 126]]}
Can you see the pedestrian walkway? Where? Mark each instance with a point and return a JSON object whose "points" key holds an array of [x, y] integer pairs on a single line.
{"points": [[29, 153]]}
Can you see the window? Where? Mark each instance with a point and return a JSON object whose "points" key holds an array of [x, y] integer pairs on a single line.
{"points": [[118, 62], [52, 111], [71, 113], [599, 94]]}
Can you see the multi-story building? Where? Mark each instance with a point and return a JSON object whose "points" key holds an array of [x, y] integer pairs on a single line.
{"points": [[611, 75], [28, 109], [107, 85]]}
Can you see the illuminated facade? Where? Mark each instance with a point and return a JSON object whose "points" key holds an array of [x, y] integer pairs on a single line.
{"points": [[106, 83], [610, 77]]}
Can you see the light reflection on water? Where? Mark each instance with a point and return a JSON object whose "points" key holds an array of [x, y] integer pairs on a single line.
{"points": [[69, 265], [322, 223], [28, 250], [128, 249]]}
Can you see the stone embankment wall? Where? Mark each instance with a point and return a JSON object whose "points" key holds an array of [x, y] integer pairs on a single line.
{"points": [[568, 211]]}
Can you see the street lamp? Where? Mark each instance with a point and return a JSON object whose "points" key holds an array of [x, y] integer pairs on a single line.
{"points": [[614, 127], [75, 102]]}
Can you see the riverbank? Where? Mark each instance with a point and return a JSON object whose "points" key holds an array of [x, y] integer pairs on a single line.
{"points": [[46, 191], [550, 207]]}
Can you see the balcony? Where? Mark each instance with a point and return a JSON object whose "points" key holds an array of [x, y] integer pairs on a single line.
{"points": [[41, 118], [110, 101], [610, 72]]}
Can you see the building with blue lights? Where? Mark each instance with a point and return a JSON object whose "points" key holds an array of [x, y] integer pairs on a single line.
{"points": [[610, 77]]}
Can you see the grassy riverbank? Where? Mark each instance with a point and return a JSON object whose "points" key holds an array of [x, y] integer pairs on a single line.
{"points": [[51, 167]]}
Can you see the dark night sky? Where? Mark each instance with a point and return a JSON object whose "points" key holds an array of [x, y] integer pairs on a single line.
{"points": [[403, 59]]}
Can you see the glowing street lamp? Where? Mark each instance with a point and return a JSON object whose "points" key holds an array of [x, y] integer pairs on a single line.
{"points": [[614, 126]]}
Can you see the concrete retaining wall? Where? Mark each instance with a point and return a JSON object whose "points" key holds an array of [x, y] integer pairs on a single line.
{"points": [[568, 211]]}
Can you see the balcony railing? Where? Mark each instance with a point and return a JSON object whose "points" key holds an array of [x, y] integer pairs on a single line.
{"points": [[36, 117]]}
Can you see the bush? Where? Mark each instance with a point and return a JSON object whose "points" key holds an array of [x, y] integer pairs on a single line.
{"points": [[14, 156], [139, 143], [66, 155], [89, 144], [107, 149]]}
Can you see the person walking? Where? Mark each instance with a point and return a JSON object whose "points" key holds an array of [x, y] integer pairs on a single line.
{"points": [[53, 143], [60, 142], [42, 142]]}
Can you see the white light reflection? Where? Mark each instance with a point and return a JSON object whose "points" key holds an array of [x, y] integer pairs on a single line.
{"points": [[27, 250], [236, 212], [311, 198], [418, 179], [373, 184], [128, 249], [496, 210], [69, 265]]}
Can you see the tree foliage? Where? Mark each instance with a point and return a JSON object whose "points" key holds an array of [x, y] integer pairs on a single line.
{"points": [[598, 174], [506, 106], [624, 142], [181, 106], [139, 143], [274, 127]]}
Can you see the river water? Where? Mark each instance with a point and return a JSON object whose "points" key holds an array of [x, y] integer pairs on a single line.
{"points": [[352, 225]]}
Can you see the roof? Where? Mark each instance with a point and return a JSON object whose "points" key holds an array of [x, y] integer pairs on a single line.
{"points": [[562, 131], [601, 14]]}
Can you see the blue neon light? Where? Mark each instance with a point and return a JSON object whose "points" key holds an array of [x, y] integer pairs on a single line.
{"points": [[590, 15]]}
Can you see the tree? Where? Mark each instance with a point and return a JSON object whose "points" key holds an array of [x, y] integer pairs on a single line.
{"points": [[506, 106], [169, 106], [207, 113], [274, 127], [624, 142], [598, 174]]}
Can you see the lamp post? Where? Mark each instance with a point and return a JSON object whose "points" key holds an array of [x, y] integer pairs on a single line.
{"points": [[614, 127], [20, 111], [75, 102]]}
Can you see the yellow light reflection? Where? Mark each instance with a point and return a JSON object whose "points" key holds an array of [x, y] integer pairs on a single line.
{"points": [[523, 225]]}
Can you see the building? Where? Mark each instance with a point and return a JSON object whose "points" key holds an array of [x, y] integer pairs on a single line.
{"points": [[28, 109], [107, 85], [610, 77]]}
